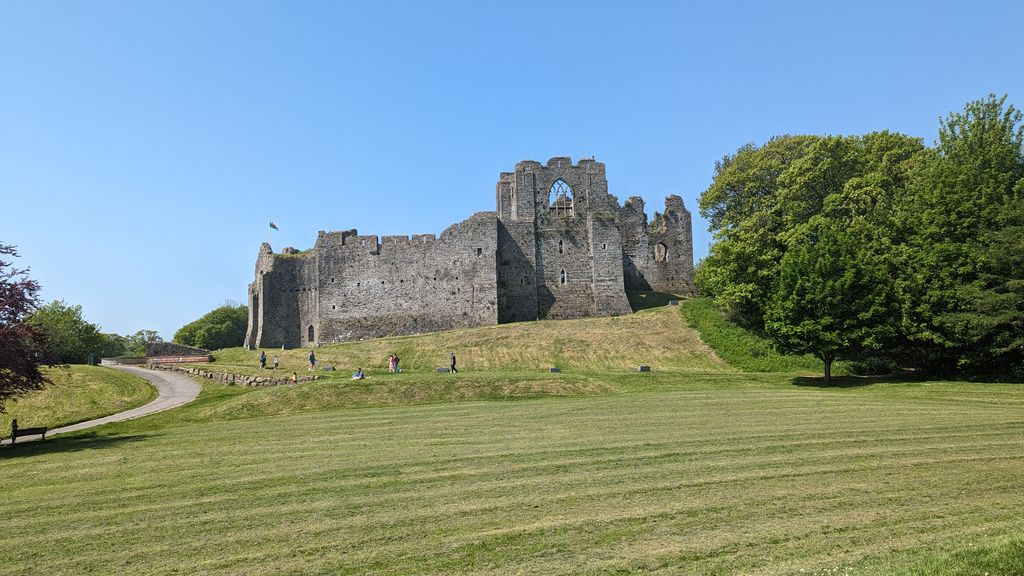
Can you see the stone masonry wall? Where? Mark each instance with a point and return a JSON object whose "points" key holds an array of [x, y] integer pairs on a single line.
{"points": [[541, 254], [658, 256], [572, 275], [402, 285]]}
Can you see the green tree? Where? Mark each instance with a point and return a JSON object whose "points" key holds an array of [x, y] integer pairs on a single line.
{"points": [[742, 207], [964, 308], [113, 345], [761, 197], [68, 337], [223, 327], [831, 298], [136, 343]]}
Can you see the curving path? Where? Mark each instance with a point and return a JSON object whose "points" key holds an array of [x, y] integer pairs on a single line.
{"points": [[174, 388]]}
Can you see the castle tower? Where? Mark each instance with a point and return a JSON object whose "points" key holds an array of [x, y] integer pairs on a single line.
{"points": [[560, 253]]}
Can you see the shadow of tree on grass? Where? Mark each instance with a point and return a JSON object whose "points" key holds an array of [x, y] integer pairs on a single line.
{"points": [[854, 381], [67, 444]]}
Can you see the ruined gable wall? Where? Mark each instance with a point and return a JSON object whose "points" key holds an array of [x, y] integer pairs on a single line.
{"points": [[658, 256], [401, 285]]}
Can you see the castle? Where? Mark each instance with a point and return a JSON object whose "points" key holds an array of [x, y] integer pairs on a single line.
{"points": [[558, 246]]}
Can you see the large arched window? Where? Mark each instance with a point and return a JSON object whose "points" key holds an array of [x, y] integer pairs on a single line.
{"points": [[311, 334], [560, 199]]}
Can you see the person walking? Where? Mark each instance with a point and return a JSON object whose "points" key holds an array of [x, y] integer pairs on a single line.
{"points": [[391, 363], [397, 369], [263, 360], [453, 370], [275, 361], [312, 361]]}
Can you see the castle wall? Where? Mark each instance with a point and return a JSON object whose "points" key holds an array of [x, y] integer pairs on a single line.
{"points": [[401, 285], [606, 248], [658, 256], [539, 255], [516, 272], [572, 276], [565, 282]]}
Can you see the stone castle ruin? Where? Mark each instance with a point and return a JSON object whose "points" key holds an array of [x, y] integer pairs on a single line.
{"points": [[558, 246]]}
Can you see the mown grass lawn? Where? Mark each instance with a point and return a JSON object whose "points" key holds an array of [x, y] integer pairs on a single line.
{"points": [[664, 473], [506, 468]]}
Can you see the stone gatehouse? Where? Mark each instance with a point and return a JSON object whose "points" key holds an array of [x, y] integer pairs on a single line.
{"points": [[558, 246]]}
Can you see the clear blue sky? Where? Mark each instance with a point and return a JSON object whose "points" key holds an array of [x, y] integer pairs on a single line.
{"points": [[145, 146]]}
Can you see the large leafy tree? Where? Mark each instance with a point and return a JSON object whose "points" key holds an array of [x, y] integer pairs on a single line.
{"points": [[223, 327], [742, 205], [69, 338], [832, 299], [21, 350], [965, 309], [761, 197]]}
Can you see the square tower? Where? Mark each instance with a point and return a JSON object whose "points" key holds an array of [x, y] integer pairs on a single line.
{"points": [[565, 257]]}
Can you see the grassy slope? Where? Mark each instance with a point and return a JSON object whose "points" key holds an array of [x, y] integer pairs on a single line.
{"points": [[655, 337], [741, 347], [694, 468], [78, 393]]}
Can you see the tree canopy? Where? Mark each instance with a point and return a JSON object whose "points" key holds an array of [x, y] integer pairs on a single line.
{"points": [[68, 337], [223, 327], [21, 346], [805, 225]]}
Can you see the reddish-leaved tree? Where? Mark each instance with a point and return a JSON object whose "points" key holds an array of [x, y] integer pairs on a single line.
{"points": [[21, 350]]}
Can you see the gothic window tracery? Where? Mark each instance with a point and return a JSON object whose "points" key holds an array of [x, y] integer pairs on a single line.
{"points": [[560, 199]]}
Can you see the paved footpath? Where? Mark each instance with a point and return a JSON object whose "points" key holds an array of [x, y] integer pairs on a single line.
{"points": [[175, 389]]}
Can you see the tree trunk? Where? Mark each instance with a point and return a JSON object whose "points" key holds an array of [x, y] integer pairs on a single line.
{"points": [[828, 369]]}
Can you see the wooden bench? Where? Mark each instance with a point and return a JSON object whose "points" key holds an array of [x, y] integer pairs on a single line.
{"points": [[16, 432]]}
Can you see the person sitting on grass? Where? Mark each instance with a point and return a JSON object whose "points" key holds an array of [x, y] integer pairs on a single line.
{"points": [[358, 374]]}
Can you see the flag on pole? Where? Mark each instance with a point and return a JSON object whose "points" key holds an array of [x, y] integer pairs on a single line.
{"points": [[273, 226]]}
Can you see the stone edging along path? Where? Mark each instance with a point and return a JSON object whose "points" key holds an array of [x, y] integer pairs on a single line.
{"points": [[233, 379]]}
